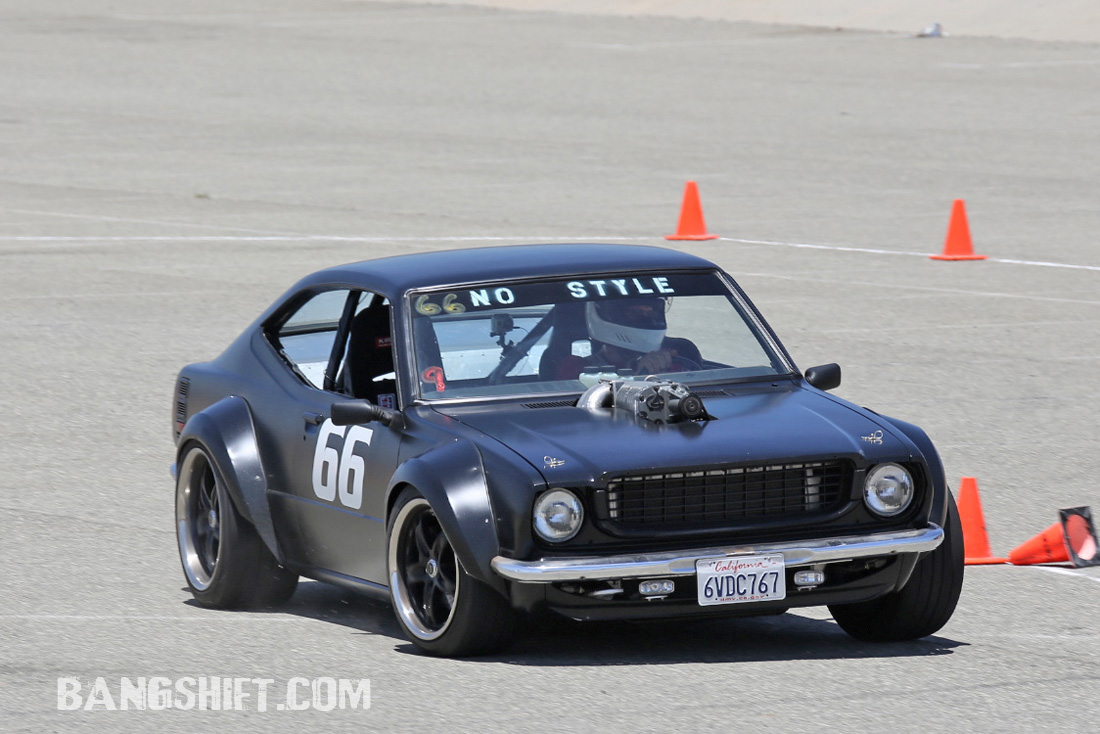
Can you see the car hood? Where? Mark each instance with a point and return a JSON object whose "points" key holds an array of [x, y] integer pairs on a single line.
{"points": [[756, 425]]}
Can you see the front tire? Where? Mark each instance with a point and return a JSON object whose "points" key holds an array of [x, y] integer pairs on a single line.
{"points": [[225, 563], [923, 605], [442, 609]]}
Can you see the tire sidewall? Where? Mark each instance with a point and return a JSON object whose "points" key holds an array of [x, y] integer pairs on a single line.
{"points": [[926, 602], [222, 590], [481, 620], [409, 506]]}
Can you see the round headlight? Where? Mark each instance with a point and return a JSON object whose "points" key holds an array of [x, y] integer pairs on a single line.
{"points": [[558, 515], [889, 490]]}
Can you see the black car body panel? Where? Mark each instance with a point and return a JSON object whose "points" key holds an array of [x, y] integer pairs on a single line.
{"points": [[225, 429], [759, 425], [321, 496]]}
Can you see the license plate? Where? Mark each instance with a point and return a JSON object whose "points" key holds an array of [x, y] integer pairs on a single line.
{"points": [[741, 579]]}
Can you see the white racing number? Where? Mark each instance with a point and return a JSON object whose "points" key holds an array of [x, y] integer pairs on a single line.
{"points": [[338, 468]]}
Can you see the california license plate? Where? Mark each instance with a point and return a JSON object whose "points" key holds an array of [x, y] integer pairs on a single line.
{"points": [[740, 579]]}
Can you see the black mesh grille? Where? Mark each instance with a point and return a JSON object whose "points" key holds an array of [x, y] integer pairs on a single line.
{"points": [[552, 404], [726, 496]]}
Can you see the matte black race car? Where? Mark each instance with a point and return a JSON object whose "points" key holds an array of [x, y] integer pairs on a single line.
{"points": [[605, 432]]}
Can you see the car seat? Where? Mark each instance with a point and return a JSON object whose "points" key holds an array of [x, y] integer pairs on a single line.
{"points": [[568, 326], [370, 355]]}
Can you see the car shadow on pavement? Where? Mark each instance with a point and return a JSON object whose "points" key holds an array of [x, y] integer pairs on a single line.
{"points": [[745, 639], [553, 641], [328, 603]]}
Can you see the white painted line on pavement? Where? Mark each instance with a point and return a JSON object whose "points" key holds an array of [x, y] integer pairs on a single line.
{"points": [[509, 238], [742, 275], [1043, 264], [235, 617], [838, 248], [131, 220], [315, 238], [1067, 572], [834, 248]]}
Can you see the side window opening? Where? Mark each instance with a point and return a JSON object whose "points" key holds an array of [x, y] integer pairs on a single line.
{"points": [[341, 341], [368, 370], [306, 338]]}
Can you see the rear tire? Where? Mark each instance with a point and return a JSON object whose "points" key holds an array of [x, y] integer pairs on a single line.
{"points": [[226, 564], [923, 605], [442, 609]]}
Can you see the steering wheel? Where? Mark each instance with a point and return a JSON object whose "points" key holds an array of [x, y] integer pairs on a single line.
{"points": [[685, 364]]}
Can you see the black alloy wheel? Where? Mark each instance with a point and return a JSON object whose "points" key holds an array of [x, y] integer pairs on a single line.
{"points": [[225, 562], [442, 608]]}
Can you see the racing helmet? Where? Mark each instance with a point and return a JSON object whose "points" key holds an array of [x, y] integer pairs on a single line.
{"points": [[635, 324]]}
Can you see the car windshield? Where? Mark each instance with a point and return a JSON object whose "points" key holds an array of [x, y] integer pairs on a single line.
{"points": [[554, 336]]}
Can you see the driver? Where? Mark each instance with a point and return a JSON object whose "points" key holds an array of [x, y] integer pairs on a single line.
{"points": [[626, 333]]}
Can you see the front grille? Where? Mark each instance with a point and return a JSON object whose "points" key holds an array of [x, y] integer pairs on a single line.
{"points": [[726, 496]]}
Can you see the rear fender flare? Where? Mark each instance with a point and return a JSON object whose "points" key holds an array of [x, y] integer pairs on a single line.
{"points": [[452, 479], [227, 433]]}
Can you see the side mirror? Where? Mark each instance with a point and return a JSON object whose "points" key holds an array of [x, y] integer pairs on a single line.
{"points": [[357, 412], [825, 377]]}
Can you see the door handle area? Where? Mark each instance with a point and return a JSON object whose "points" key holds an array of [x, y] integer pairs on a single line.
{"points": [[313, 419]]}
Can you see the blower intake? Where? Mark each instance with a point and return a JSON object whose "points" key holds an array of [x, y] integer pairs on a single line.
{"points": [[659, 402]]}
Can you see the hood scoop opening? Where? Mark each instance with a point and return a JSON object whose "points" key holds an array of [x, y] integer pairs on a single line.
{"points": [[656, 401]]}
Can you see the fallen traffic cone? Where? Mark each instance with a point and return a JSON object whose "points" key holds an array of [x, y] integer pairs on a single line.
{"points": [[958, 245], [691, 226], [1072, 539], [975, 538]]}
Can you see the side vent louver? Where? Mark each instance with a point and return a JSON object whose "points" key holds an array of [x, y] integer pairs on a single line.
{"points": [[182, 390]]}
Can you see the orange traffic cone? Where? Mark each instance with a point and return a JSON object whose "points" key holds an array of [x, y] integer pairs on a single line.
{"points": [[1072, 539], [691, 226], [958, 245], [975, 538]]}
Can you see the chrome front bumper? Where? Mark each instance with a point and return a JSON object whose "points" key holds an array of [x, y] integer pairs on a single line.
{"points": [[682, 563]]}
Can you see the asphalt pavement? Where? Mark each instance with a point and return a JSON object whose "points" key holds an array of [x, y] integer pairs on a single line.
{"points": [[169, 170]]}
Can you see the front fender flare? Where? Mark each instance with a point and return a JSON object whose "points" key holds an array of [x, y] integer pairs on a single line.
{"points": [[452, 479], [227, 433]]}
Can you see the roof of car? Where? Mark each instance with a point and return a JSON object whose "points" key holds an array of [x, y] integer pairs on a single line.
{"points": [[397, 274]]}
